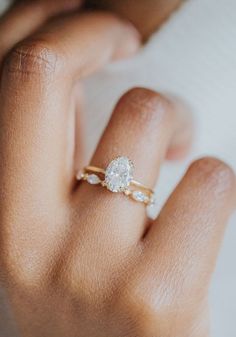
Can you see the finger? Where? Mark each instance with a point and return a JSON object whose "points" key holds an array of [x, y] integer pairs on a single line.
{"points": [[182, 245], [39, 74], [143, 125], [181, 142], [36, 139], [25, 17]]}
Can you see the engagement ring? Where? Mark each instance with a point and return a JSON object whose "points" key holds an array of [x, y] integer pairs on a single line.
{"points": [[118, 178]]}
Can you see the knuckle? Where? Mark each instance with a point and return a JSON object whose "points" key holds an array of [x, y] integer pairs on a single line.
{"points": [[149, 311], [146, 106], [140, 310], [215, 175], [31, 59], [79, 281]]}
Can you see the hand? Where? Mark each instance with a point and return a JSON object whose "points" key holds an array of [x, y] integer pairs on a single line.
{"points": [[78, 260]]}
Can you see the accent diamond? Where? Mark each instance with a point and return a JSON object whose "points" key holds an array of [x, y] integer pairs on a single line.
{"points": [[153, 201], [79, 175], [119, 174], [140, 196], [93, 179]]}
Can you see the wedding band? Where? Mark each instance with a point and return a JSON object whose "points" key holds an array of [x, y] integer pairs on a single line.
{"points": [[118, 177]]}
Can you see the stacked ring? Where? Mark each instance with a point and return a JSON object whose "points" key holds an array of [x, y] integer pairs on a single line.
{"points": [[118, 177]]}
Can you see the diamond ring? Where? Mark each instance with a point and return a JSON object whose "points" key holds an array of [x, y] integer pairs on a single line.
{"points": [[118, 177]]}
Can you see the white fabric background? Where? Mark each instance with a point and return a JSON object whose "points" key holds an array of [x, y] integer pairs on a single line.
{"points": [[193, 56]]}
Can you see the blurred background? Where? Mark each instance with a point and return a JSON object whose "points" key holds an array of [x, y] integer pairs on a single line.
{"points": [[192, 55]]}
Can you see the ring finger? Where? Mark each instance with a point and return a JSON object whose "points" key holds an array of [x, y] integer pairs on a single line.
{"points": [[145, 126]]}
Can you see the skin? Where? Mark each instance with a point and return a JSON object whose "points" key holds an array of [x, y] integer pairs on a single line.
{"points": [[77, 260], [146, 15]]}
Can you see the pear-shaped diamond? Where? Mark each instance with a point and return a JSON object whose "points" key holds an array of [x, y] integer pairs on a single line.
{"points": [[119, 174]]}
